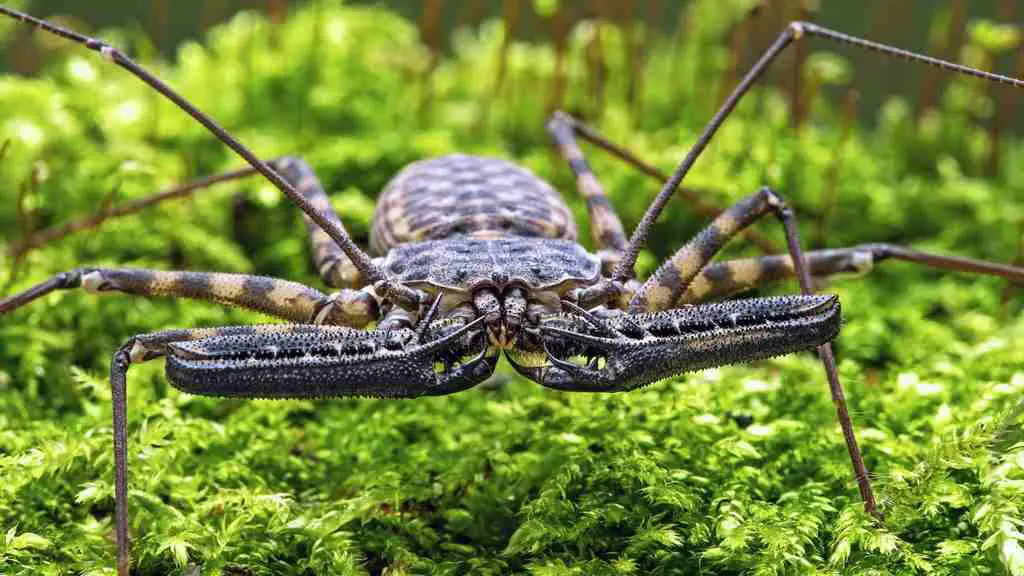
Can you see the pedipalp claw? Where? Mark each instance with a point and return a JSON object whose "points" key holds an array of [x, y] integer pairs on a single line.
{"points": [[664, 344], [465, 375], [565, 365], [310, 361]]}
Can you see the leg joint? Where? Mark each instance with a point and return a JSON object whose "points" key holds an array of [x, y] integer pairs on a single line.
{"points": [[129, 353], [797, 29], [560, 120], [286, 162], [347, 308], [135, 351], [72, 278], [773, 199], [774, 202]]}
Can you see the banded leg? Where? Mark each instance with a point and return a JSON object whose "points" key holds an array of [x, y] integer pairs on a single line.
{"points": [[605, 227], [334, 267], [721, 279], [671, 280], [331, 263], [692, 197], [668, 283], [287, 361], [280, 298], [395, 291]]}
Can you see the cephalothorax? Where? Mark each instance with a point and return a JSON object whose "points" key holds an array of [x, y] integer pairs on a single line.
{"points": [[475, 257]]}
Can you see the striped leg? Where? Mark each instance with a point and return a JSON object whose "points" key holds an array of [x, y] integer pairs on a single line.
{"points": [[333, 266], [395, 291], [605, 227], [281, 298], [671, 280], [722, 279], [331, 263], [664, 289], [695, 199]]}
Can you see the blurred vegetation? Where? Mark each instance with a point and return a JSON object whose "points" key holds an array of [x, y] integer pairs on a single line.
{"points": [[739, 470]]}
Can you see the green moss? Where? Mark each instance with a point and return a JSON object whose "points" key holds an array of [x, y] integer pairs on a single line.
{"points": [[517, 479]]}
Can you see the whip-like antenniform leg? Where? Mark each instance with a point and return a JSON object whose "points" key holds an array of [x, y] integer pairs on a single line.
{"points": [[402, 295], [280, 298], [663, 289], [794, 31]]}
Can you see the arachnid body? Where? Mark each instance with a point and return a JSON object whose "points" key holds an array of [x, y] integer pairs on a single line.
{"points": [[477, 257]]}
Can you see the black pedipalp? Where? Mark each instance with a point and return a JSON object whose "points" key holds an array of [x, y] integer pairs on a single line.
{"points": [[678, 341], [316, 361]]}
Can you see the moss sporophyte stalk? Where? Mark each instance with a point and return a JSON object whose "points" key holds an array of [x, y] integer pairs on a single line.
{"points": [[734, 470]]}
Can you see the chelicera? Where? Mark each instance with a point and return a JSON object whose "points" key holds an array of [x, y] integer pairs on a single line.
{"points": [[476, 257]]}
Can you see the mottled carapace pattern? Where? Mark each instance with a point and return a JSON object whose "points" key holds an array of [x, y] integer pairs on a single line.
{"points": [[471, 196], [537, 263]]}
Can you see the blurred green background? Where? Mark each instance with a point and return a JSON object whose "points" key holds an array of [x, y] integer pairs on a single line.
{"points": [[939, 27]]}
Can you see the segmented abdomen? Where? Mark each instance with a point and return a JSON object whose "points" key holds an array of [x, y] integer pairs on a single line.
{"points": [[467, 195]]}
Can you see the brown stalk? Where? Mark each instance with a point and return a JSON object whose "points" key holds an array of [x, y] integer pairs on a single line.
{"points": [[33, 240], [1011, 286], [597, 64], [797, 103], [1005, 99], [946, 49], [560, 32], [831, 193], [470, 14], [213, 12], [158, 22], [277, 10], [741, 34], [430, 28], [629, 45], [509, 18]]}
